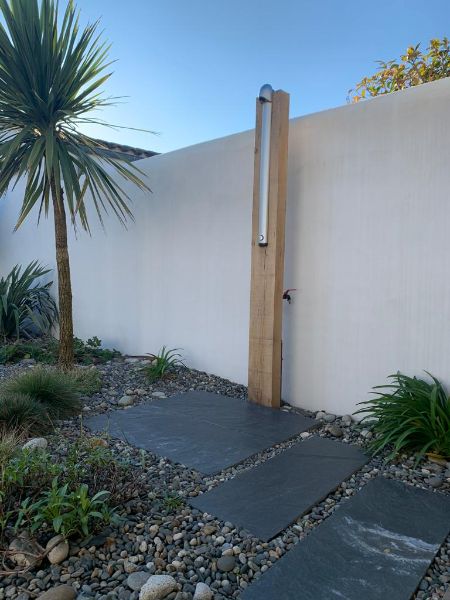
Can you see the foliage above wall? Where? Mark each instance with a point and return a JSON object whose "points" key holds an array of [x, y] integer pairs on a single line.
{"points": [[414, 68]]}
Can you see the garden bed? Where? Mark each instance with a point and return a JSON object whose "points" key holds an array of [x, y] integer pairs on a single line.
{"points": [[160, 534]]}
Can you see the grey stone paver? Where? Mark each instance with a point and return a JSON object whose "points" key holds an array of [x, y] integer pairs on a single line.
{"points": [[204, 431], [268, 498], [377, 545]]}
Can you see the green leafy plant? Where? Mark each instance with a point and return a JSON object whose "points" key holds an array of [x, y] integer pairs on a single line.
{"points": [[410, 415], [21, 411], [30, 469], [26, 307], [54, 390], [163, 363], [22, 478], [414, 68], [68, 512], [71, 493]]}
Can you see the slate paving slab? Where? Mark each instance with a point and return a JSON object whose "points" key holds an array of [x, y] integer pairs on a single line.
{"points": [[204, 431], [268, 498], [377, 545]]}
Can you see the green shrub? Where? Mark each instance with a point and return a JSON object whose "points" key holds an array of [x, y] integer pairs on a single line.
{"points": [[163, 362], [21, 411], [45, 350], [87, 381], [55, 391], [27, 309], [39, 493], [411, 415], [29, 470], [91, 351]]}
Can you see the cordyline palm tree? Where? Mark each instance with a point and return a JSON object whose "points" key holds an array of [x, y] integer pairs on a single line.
{"points": [[51, 74]]}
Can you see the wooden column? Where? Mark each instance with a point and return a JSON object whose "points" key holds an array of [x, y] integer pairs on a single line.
{"points": [[264, 372]]}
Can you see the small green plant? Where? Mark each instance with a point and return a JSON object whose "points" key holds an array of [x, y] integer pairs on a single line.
{"points": [[91, 351], [163, 363], [27, 308], [172, 502], [21, 411], [411, 415], [54, 390], [30, 470], [67, 512]]}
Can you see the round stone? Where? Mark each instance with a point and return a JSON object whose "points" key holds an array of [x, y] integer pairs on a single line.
{"points": [[203, 592], [126, 401], [26, 552], [226, 563], [329, 418], [136, 580], [38, 443], [335, 431], [60, 592], [59, 549], [435, 481], [157, 587]]}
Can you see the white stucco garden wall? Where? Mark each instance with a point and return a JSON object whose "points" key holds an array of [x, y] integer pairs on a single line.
{"points": [[367, 248]]}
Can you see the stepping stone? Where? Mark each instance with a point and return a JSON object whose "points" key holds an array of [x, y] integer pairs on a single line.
{"points": [[378, 544], [267, 499], [206, 432]]}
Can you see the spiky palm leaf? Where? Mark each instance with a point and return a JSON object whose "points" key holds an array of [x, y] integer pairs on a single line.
{"points": [[51, 74]]}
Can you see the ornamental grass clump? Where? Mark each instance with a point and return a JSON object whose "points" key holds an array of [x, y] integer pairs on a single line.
{"points": [[56, 392], [410, 415], [22, 412]]}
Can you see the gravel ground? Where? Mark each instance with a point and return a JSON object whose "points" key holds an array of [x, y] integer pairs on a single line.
{"points": [[182, 542]]}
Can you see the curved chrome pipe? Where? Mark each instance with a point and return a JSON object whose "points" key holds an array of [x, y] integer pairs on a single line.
{"points": [[265, 97]]}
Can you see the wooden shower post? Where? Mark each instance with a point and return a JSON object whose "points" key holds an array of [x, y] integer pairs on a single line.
{"points": [[267, 272]]}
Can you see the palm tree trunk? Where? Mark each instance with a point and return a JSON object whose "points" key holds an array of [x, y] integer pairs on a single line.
{"points": [[64, 281]]}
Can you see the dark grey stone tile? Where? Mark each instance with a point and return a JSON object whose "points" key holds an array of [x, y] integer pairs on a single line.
{"points": [[377, 545], [206, 432], [268, 498]]}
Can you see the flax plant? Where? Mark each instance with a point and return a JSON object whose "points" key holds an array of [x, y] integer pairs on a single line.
{"points": [[52, 72]]}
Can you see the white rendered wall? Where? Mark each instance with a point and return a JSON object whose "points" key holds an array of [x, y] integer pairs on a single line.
{"points": [[367, 247]]}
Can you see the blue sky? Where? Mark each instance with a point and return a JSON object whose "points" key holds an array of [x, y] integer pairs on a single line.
{"points": [[192, 68]]}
